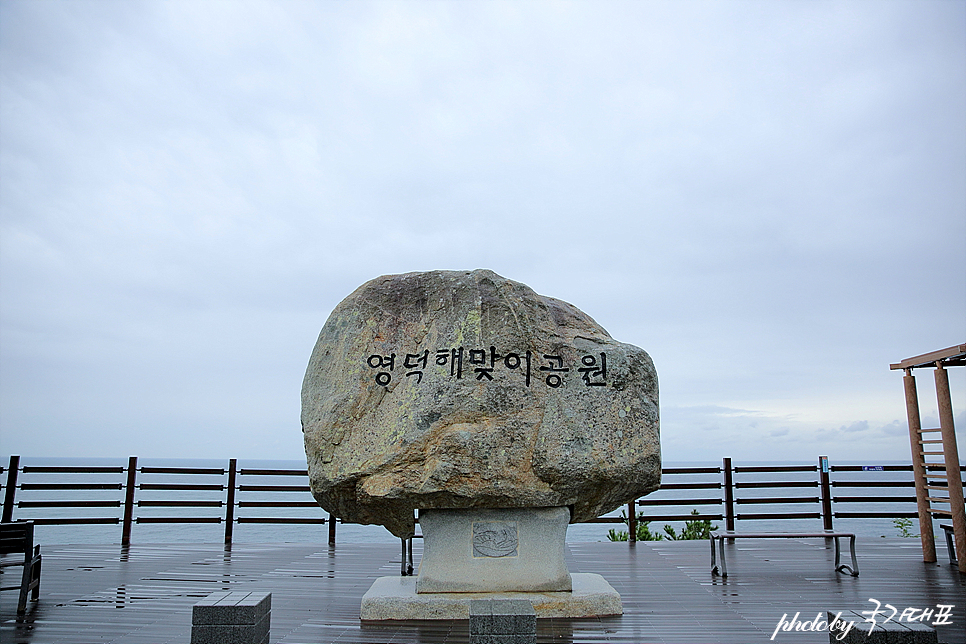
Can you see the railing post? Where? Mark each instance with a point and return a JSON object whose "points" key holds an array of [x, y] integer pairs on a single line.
{"points": [[632, 522], [332, 521], [729, 494], [132, 474], [230, 501], [10, 494], [826, 492]]}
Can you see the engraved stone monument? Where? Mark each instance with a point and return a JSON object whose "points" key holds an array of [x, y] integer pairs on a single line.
{"points": [[499, 415]]}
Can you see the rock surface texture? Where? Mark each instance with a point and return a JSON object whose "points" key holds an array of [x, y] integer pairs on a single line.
{"points": [[463, 389]]}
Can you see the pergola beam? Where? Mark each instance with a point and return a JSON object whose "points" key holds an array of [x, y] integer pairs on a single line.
{"points": [[954, 356]]}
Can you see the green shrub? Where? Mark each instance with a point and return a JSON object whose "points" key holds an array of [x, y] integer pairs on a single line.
{"points": [[614, 535], [693, 529], [643, 531], [903, 525]]}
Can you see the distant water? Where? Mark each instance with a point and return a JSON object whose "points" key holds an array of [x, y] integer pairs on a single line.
{"points": [[350, 533]]}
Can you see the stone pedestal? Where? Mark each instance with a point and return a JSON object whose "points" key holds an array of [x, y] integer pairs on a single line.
{"points": [[502, 554], [500, 550]]}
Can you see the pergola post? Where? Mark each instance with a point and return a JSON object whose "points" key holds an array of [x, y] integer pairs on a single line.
{"points": [[951, 456], [919, 468], [951, 480]]}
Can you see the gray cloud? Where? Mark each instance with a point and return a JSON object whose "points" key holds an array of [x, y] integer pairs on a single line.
{"points": [[768, 197]]}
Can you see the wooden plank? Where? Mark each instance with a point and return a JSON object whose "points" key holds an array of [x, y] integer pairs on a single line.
{"points": [[63, 469], [858, 468], [278, 504], [76, 521], [771, 484], [954, 355], [876, 515], [682, 517], [183, 470], [777, 468], [70, 486], [779, 499], [666, 588], [178, 520], [180, 504], [289, 520], [653, 502], [254, 472], [873, 483], [784, 515], [874, 499], [68, 504], [181, 487]]}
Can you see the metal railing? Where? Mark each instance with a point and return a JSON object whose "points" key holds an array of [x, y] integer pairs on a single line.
{"points": [[255, 496], [229, 489], [820, 492]]}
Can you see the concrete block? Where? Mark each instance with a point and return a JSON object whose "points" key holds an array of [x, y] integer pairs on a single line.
{"points": [[223, 634], [232, 618], [891, 632], [503, 639], [922, 633], [502, 617], [231, 608]]}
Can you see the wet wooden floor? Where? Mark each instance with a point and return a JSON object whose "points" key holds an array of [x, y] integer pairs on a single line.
{"points": [[144, 595]]}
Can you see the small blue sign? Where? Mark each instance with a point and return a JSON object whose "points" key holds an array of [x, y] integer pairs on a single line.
{"points": [[872, 468]]}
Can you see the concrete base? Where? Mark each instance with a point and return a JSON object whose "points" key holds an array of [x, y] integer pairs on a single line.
{"points": [[395, 598]]}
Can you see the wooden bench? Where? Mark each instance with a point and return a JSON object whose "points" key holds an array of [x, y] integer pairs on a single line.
{"points": [[17, 539], [827, 534]]}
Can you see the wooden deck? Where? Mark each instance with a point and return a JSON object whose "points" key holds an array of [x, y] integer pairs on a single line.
{"points": [[144, 595]]}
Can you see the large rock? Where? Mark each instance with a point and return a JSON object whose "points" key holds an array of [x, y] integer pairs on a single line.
{"points": [[462, 389]]}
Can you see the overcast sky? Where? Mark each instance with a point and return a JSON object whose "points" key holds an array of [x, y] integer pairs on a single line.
{"points": [[768, 197]]}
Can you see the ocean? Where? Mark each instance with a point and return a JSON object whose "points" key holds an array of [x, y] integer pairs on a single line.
{"points": [[152, 499]]}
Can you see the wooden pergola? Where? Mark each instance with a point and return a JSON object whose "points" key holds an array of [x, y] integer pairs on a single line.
{"points": [[936, 472]]}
